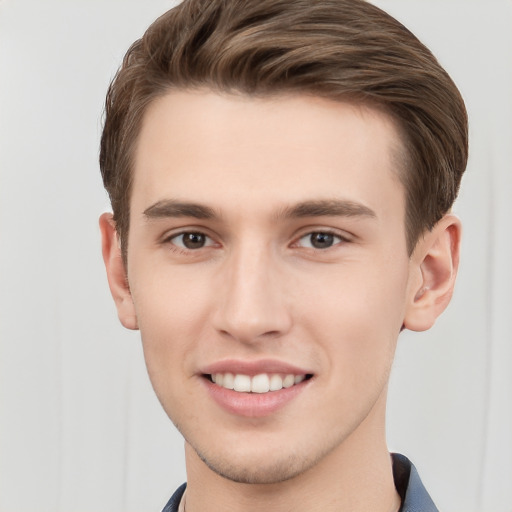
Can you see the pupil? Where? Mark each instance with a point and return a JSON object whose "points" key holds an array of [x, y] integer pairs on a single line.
{"points": [[322, 240], [193, 240]]}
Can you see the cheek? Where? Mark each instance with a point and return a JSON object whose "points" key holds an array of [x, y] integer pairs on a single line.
{"points": [[363, 293], [170, 322], [358, 317], [171, 309]]}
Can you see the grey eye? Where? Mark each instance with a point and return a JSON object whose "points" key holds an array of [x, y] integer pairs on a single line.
{"points": [[319, 240]]}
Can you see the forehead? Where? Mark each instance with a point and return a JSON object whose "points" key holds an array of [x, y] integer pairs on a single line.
{"points": [[228, 150]]}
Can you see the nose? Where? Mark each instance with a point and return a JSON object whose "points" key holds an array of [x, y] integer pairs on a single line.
{"points": [[251, 304]]}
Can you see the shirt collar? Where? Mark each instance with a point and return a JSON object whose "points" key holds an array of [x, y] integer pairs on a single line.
{"points": [[415, 497]]}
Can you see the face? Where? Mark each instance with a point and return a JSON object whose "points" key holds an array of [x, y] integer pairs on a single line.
{"points": [[267, 254]]}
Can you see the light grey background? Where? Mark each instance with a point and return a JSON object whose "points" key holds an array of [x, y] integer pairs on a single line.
{"points": [[80, 429]]}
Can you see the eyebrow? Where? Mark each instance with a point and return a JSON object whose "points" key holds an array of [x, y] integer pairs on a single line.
{"points": [[173, 208], [327, 208], [316, 208]]}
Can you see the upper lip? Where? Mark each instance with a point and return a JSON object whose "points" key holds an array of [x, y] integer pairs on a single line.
{"points": [[251, 368]]}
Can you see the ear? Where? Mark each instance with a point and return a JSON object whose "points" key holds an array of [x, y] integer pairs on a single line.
{"points": [[434, 266], [116, 272]]}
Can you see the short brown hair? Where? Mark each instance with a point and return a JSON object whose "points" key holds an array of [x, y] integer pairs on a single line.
{"points": [[337, 49]]}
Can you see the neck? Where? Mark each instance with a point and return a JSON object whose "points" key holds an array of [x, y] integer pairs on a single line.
{"points": [[356, 476]]}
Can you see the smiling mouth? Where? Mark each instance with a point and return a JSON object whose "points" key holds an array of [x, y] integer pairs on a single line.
{"points": [[261, 383]]}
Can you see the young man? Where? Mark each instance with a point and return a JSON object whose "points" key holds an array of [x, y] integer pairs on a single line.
{"points": [[281, 174]]}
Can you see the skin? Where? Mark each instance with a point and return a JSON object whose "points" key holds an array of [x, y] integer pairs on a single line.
{"points": [[259, 289]]}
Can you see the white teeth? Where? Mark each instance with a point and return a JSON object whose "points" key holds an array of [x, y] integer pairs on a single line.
{"points": [[228, 381], [242, 383], [288, 381], [276, 383], [261, 383]]}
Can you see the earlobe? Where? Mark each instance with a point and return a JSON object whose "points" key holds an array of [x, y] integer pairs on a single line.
{"points": [[435, 262], [116, 272]]}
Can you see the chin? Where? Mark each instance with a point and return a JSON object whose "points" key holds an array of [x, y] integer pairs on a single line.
{"points": [[256, 472], [260, 462]]}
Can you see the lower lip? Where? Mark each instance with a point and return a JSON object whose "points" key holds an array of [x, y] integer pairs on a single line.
{"points": [[253, 405]]}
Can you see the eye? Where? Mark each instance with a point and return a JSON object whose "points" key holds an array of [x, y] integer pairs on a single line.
{"points": [[191, 240], [320, 240]]}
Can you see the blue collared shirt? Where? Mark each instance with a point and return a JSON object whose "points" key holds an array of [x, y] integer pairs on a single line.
{"points": [[415, 497]]}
